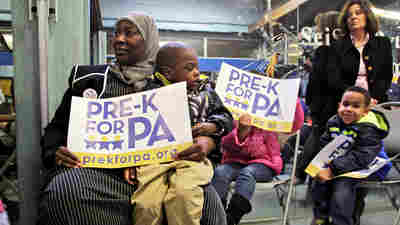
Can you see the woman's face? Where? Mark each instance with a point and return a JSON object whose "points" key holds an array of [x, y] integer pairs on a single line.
{"points": [[128, 43], [356, 18]]}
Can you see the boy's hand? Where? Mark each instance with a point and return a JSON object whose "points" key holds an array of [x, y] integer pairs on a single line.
{"points": [[130, 175], [64, 157], [325, 175], [198, 151], [204, 129]]}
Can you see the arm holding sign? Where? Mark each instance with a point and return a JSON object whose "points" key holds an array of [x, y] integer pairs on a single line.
{"points": [[244, 127], [200, 149], [56, 132], [298, 120], [367, 146], [253, 154], [367, 134], [219, 121]]}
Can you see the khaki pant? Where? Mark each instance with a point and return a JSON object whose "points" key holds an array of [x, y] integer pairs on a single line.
{"points": [[173, 188]]}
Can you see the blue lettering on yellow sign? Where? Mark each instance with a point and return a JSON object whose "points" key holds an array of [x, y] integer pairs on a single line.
{"points": [[105, 127], [341, 149], [123, 108], [263, 103], [160, 125], [243, 86]]}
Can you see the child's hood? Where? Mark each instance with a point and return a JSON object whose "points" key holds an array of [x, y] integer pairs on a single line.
{"points": [[376, 119]]}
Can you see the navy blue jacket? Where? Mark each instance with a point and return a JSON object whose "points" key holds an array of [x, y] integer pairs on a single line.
{"points": [[367, 134]]}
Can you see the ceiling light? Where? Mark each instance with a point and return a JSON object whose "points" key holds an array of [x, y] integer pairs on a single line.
{"points": [[386, 13]]}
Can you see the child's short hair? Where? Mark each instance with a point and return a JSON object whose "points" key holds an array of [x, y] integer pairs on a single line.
{"points": [[164, 54], [367, 96]]}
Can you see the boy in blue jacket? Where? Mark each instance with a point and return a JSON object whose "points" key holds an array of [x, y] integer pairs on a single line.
{"points": [[335, 198]]}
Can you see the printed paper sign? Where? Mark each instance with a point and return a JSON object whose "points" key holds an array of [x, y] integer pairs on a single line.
{"points": [[270, 102], [372, 168], [130, 130], [337, 147]]}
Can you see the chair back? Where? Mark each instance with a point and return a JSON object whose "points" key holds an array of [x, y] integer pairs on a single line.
{"points": [[392, 141]]}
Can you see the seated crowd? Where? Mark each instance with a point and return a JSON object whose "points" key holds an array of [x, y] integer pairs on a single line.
{"points": [[193, 188]]}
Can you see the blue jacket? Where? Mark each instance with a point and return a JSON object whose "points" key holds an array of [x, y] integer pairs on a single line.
{"points": [[368, 134]]}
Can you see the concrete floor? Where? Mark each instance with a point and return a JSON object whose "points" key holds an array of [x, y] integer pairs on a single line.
{"points": [[385, 217], [266, 210]]}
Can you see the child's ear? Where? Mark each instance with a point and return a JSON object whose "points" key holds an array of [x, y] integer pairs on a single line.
{"points": [[367, 109]]}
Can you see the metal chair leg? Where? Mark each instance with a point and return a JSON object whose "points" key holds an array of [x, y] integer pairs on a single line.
{"points": [[282, 193], [397, 220]]}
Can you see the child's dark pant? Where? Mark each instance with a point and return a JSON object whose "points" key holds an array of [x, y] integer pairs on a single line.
{"points": [[335, 199]]}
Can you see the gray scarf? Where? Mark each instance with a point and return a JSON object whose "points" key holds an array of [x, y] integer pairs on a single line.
{"points": [[136, 74]]}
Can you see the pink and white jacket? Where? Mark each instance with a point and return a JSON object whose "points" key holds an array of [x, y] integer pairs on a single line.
{"points": [[260, 146]]}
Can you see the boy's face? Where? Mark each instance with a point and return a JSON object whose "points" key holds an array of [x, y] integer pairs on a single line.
{"points": [[352, 107], [128, 43], [186, 68]]}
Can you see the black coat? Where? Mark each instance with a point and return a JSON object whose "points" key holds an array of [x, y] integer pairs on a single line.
{"points": [[322, 100], [378, 59], [335, 68]]}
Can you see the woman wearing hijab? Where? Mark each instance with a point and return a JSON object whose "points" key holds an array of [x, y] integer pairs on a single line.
{"points": [[74, 195]]}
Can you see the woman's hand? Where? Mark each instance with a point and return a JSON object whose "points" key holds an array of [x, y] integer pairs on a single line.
{"points": [[64, 157], [204, 129], [130, 175], [198, 151]]}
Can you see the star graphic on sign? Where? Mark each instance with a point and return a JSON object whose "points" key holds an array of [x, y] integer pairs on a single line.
{"points": [[228, 100], [90, 144], [104, 145], [236, 104], [117, 144]]}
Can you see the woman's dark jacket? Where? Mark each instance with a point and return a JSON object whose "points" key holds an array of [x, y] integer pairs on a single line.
{"points": [[335, 68], [320, 99], [106, 84]]}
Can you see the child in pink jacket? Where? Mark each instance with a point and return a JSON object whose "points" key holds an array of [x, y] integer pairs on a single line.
{"points": [[250, 154]]}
